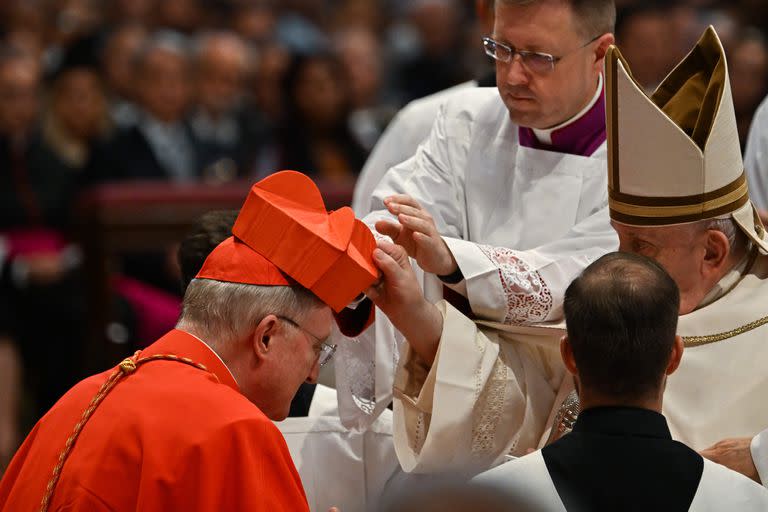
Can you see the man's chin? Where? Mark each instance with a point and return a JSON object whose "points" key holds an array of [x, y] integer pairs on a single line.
{"points": [[524, 118]]}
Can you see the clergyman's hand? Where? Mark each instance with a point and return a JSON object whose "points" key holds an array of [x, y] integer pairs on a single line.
{"points": [[399, 296], [418, 235], [734, 454]]}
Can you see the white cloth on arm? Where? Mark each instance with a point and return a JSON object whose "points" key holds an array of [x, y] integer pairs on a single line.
{"points": [[482, 187]]}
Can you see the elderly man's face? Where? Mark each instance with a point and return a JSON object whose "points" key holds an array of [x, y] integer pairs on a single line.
{"points": [[548, 99], [294, 361], [221, 72], [164, 85], [680, 250]]}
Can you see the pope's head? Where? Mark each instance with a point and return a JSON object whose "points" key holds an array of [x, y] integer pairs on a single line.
{"points": [[677, 192], [696, 255], [542, 92]]}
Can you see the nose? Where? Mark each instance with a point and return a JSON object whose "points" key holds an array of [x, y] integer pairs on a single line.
{"points": [[314, 372], [516, 73]]}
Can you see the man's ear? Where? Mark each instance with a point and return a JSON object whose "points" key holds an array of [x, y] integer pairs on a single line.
{"points": [[601, 48], [263, 336], [675, 356], [717, 247], [566, 352]]}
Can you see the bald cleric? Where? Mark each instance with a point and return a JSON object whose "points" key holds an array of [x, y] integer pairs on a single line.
{"points": [[185, 423]]}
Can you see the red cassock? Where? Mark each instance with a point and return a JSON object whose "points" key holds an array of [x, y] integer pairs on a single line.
{"points": [[168, 436]]}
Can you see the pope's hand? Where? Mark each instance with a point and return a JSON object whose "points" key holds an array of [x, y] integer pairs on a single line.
{"points": [[417, 234], [399, 296], [734, 454]]}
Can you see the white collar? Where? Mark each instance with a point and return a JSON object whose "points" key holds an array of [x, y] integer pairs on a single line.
{"points": [[545, 135]]}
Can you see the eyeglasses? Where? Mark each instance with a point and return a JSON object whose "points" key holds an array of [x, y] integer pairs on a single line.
{"points": [[326, 349], [536, 62]]}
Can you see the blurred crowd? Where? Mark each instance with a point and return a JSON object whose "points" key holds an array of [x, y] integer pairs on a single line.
{"points": [[95, 91]]}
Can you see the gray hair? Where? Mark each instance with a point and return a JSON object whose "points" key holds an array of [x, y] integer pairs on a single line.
{"points": [[220, 312], [163, 40], [737, 239]]}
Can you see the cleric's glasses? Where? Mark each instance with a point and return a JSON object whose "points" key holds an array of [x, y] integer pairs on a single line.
{"points": [[536, 62]]}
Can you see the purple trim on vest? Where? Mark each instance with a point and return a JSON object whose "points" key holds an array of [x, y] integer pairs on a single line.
{"points": [[581, 137]]}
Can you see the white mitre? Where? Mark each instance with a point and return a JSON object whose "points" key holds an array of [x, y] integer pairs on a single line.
{"points": [[674, 158]]}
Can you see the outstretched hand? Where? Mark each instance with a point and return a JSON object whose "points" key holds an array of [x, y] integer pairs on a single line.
{"points": [[734, 454], [399, 296], [417, 234]]}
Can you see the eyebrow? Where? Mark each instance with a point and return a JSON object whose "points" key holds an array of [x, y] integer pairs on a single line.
{"points": [[526, 48]]}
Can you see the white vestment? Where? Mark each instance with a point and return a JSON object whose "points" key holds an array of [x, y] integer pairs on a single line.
{"points": [[398, 143], [488, 384], [521, 223], [338, 467], [756, 157], [719, 488]]}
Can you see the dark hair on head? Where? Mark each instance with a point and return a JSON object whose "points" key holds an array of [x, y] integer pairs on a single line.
{"points": [[621, 314], [210, 230], [593, 17]]}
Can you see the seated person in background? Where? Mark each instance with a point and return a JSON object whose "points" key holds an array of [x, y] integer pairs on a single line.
{"points": [[621, 345], [160, 145], [314, 134], [185, 424], [228, 132]]}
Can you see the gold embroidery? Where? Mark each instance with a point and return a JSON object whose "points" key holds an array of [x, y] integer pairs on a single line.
{"points": [[697, 341]]}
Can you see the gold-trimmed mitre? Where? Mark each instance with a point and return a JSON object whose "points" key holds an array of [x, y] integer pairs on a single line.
{"points": [[674, 158]]}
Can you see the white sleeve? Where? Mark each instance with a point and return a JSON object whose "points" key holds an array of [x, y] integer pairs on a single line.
{"points": [[756, 157], [759, 450], [434, 177], [399, 142], [526, 287], [486, 395]]}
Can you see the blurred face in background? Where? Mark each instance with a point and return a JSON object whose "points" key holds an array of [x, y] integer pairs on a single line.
{"points": [[267, 85], [78, 103], [221, 69], [645, 41], [254, 22], [360, 53], [118, 60], [164, 84], [319, 93], [748, 68], [19, 89]]}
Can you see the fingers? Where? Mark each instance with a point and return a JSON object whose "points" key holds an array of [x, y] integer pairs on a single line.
{"points": [[388, 228], [402, 199], [417, 224], [387, 264], [394, 251]]}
